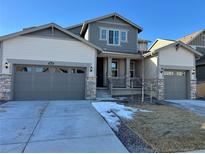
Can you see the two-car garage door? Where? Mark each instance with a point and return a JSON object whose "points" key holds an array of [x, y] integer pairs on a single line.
{"points": [[48, 83], [175, 84]]}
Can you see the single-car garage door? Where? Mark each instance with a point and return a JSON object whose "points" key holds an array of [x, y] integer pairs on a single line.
{"points": [[48, 83], [175, 84]]}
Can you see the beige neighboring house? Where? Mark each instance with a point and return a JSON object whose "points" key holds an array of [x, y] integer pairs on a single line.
{"points": [[170, 68]]}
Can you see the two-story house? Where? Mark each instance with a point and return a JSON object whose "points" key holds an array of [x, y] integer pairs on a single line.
{"points": [[49, 62], [197, 41], [118, 63]]}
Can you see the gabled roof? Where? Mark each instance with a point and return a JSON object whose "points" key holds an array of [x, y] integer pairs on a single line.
{"points": [[85, 24], [33, 29], [188, 38], [160, 44], [74, 26]]}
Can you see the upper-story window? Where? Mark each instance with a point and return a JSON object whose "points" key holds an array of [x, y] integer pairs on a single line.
{"points": [[123, 36], [103, 34], [113, 36]]}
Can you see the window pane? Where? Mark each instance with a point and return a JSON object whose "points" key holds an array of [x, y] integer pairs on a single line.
{"points": [[61, 70], [114, 65], [131, 65], [80, 71], [41, 69], [131, 73], [110, 37], [169, 73], [73, 70], [116, 37], [103, 34], [180, 73], [123, 36], [23, 69], [114, 73]]}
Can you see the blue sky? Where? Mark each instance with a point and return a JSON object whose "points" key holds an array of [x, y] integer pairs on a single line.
{"points": [[169, 19]]}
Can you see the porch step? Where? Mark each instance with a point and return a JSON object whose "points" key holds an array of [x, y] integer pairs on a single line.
{"points": [[103, 94]]}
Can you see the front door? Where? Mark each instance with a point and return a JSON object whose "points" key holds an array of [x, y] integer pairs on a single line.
{"points": [[99, 72]]}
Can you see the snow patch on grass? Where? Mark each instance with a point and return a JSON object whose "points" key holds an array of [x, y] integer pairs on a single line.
{"points": [[109, 110]]}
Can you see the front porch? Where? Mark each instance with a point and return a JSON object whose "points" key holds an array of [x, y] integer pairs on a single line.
{"points": [[121, 75]]}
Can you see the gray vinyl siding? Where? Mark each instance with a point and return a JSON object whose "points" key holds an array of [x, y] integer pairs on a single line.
{"points": [[202, 59], [200, 72], [129, 47], [1, 56], [114, 20], [49, 33], [198, 41], [76, 30]]}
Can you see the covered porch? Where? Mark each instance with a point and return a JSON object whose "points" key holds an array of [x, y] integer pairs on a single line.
{"points": [[121, 74]]}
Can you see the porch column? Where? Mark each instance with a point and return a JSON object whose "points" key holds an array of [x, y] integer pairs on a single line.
{"points": [[127, 73], [109, 67]]}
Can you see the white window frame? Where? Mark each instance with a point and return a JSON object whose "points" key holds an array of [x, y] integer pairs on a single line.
{"points": [[132, 70], [101, 29], [116, 69], [124, 31], [107, 36], [113, 37]]}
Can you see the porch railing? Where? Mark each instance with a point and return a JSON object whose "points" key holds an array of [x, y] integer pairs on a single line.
{"points": [[118, 82], [121, 82], [135, 82]]}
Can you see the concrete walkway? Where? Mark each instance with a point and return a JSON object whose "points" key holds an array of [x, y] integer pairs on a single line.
{"points": [[55, 126]]}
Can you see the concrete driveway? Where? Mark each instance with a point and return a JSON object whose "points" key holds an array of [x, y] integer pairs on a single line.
{"points": [[55, 126], [196, 106]]}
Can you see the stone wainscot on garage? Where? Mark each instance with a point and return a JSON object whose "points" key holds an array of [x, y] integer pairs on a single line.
{"points": [[47, 63], [170, 68]]}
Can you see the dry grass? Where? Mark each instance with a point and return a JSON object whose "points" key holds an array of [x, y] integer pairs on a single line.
{"points": [[169, 129]]}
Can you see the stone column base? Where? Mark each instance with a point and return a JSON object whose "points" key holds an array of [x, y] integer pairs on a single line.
{"points": [[193, 89], [160, 89], [90, 92], [5, 87], [156, 86]]}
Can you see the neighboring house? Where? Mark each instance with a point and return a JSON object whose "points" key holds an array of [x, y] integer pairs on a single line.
{"points": [[170, 68], [50, 62], [197, 41]]}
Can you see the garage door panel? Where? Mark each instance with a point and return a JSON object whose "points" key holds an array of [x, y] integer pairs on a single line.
{"points": [[49, 85], [175, 84]]}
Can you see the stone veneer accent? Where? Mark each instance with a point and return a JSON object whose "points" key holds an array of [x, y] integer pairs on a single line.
{"points": [[193, 89], [157, 88], [5, 87], [160, 89], [90, 88]]}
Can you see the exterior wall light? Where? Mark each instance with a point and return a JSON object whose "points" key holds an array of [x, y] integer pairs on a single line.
{"points": [[6, 65], [193, 71], [162, 70], [91, 68]]}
